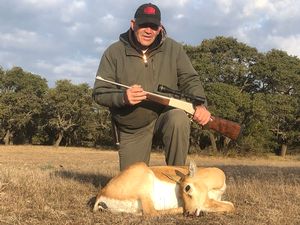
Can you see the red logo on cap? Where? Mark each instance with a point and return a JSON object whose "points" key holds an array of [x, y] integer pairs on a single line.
{"points": [[149, 10]]}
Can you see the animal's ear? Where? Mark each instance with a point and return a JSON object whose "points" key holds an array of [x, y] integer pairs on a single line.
{"points": [[171, 177], [180, 174], [192, 168]]}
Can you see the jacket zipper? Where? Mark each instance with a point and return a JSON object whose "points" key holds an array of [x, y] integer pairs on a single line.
{"points": [[145, 59]]}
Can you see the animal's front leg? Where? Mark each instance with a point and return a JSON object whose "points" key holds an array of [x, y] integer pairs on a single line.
{"points": [[219, 206], [148, 206], [173, 211]]}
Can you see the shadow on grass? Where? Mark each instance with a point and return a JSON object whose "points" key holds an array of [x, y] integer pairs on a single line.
{"points": [[271, 174], [98, 180], [239, 172]]}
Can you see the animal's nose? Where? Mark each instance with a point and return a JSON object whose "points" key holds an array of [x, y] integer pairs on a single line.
{"points": [[188, 213], [197, 212]]}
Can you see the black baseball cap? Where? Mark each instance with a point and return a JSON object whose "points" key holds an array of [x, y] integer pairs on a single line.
{"points": [[147, 13]]}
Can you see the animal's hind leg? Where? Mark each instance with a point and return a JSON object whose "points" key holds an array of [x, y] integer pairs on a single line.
{"points": [[215, 194]]}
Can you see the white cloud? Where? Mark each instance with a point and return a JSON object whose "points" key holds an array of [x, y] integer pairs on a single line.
{"points": [[275, 9], [8, 59], [289, 44], [257, 6], [26, 42], [43, 3], [171, 3], [107, 17], [78, 70], [179, 16], [71, 11], [18, 39], [98, 40], [225, 5], [76, 27]]}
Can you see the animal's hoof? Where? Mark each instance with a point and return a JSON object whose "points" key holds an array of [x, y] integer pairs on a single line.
{"points": [[100, 206], [96, 208]]}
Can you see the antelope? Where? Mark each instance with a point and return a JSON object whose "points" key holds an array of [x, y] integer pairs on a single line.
{"points": [[156, 190]]}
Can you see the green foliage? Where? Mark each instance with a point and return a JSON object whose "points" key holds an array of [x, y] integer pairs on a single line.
{"points": [[102, 128], [73, 118], [261, 91], [20, 100], [224, 60], [235, 107], [277, 72], [68, 107], [278, 79]]}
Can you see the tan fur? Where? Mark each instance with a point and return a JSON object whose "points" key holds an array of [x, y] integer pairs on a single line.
{"points": [[202, 189], [160, 190]]}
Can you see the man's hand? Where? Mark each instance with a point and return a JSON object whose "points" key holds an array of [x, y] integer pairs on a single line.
{"points": [[201, 115], [134, 95]]}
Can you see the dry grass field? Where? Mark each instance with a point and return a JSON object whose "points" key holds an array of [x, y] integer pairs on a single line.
{"points": [[45, 185]]}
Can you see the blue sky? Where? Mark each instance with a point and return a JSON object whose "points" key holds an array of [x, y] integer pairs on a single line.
{"points": [[64, 39]]}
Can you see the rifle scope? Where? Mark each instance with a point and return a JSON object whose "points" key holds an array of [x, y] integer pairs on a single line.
{"points": [[178, 94]]}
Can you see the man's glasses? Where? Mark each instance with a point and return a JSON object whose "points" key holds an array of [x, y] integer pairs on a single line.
{"points": [[150, 25]]}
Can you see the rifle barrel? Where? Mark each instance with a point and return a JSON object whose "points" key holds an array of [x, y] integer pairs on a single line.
{"points": [[112, 82]]}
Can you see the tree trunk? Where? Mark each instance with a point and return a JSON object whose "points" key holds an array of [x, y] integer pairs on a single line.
{"points": [[226, 142], [59, 138], [283, 150], [7, 138], [213, 142]]}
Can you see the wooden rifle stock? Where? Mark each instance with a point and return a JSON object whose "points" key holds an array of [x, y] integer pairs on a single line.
{"points": [[225, 127]]}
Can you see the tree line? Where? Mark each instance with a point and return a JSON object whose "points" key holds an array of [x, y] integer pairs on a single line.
{"points": [[258, 90]]}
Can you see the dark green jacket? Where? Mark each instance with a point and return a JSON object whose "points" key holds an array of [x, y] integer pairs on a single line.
{"points": [[167, 64]]}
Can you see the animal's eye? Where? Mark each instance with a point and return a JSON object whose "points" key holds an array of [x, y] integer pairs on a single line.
{"points": [[187, 188]]}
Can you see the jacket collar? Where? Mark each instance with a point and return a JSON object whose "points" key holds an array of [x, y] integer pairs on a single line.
{"points": [[132, 47]]}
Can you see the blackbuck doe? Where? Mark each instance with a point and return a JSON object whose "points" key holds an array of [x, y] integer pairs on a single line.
{"points": [[161, 190]]}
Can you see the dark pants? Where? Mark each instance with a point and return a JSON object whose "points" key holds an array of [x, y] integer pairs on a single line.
{"points": [[172, 127]]}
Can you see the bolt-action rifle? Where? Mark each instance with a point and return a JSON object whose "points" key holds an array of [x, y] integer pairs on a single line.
{"points": [[225, 127]]}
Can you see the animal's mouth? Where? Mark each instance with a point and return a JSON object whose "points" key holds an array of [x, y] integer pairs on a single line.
{"points": [[196, 212]]}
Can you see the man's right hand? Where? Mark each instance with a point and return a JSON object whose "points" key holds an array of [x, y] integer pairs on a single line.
{"points": [[134, 95]]}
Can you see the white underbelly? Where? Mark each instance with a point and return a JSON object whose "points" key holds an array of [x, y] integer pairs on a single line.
{"points": [[114, 205], [165, 195]]}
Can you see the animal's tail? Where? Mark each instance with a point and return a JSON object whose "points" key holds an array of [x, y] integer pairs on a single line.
{"points": [[97, 205], [97, 202]]}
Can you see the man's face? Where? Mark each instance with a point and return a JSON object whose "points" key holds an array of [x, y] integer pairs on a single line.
{"points": [[145, 33]]}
